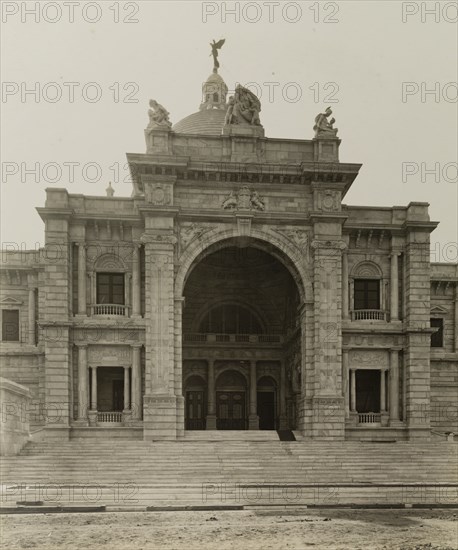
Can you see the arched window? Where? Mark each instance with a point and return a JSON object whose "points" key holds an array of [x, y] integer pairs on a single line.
{"points": [[367, 291], [109, 280], [230, 319]]}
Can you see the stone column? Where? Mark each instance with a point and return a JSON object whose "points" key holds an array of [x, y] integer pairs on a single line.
{"points": [[136, 282], [253, 418], [83, 397], [94, 389], [394, 295], [345, 385], [456, 317], [211, 397], [178, 359], [393, 395], [382, 391], [353, 390], [126, 388], [32, 320], [345, 311], [82, 279], [136, 383], [283, 419], [92, 413]]}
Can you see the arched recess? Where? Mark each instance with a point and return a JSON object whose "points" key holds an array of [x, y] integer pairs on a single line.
{"points": [[273, 243]]}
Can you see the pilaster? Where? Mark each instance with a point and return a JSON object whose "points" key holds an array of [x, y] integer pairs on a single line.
{"points": [[160, 403]]}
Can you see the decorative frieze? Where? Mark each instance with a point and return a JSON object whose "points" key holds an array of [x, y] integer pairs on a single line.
{"points": [[110, 355], [369, 359]]}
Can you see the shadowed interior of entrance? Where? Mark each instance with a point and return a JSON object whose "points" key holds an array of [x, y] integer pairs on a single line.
{"points": [[241, 341]]}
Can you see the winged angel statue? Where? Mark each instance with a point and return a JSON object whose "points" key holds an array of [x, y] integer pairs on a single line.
{"points": [[215, 46]]}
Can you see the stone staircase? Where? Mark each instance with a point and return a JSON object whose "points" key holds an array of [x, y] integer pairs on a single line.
{"points": [[257, 471]]}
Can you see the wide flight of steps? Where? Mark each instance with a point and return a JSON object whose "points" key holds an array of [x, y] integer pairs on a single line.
{"points": [[129, 474]]}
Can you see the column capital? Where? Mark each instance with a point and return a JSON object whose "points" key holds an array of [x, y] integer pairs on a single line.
{"points": [[81, 345], [395, 253], [136, 346]]}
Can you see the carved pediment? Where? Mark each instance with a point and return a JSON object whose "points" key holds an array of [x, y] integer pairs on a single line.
{"points": [[10, 301], [438, 310]]}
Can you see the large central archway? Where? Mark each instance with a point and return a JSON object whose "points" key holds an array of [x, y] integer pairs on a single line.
{"points": [[241, 337]]}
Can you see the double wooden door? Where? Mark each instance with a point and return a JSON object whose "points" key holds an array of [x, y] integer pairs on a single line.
{"points": [[231, 410], [195, 410]]}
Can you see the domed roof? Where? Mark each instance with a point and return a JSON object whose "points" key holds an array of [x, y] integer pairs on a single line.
{"points": [[208, 122], [216, 79]]}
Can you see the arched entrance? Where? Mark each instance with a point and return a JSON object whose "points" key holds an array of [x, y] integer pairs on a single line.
{"points": [[241, 308]]}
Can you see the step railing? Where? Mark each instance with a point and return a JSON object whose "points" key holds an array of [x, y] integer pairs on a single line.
{"points": [[109, 416]]}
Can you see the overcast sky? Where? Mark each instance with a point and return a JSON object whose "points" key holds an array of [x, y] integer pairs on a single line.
{"points": [[356, 56]]}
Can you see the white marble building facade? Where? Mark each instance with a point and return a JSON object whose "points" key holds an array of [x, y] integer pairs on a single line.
{"points": [[235, 289]]}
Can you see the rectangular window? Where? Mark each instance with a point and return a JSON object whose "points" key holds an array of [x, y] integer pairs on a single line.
{"points": [[437, 338], [367, 294], [110, 288], [10, 325]]}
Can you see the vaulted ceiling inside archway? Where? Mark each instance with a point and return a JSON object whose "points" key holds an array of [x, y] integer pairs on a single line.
{"points": [[248, 277]]}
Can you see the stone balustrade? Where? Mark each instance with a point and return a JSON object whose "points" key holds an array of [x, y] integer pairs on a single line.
{"points": [[369, 418], [368, 315], [110, 309], [109, 416], [234, 338]]}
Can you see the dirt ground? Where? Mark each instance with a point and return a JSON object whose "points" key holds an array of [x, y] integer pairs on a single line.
{"points": [[318, 529]]}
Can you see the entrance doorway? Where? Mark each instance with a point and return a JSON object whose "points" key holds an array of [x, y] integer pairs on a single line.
{"points": [[110, 389], [266, 402], [231, 409], [266, 410], [196, 404]]}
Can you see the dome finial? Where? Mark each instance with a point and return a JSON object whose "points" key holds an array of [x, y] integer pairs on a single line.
{"points": [[215, 46]]}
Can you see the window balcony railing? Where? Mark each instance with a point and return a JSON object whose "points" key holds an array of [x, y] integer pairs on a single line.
{"points": [[233, 338], [368, 315], [109, 416], [369, 418], [110, 309]]}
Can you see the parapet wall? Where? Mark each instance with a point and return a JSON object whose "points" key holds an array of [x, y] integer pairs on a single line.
{"points": [[14, 428]]}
